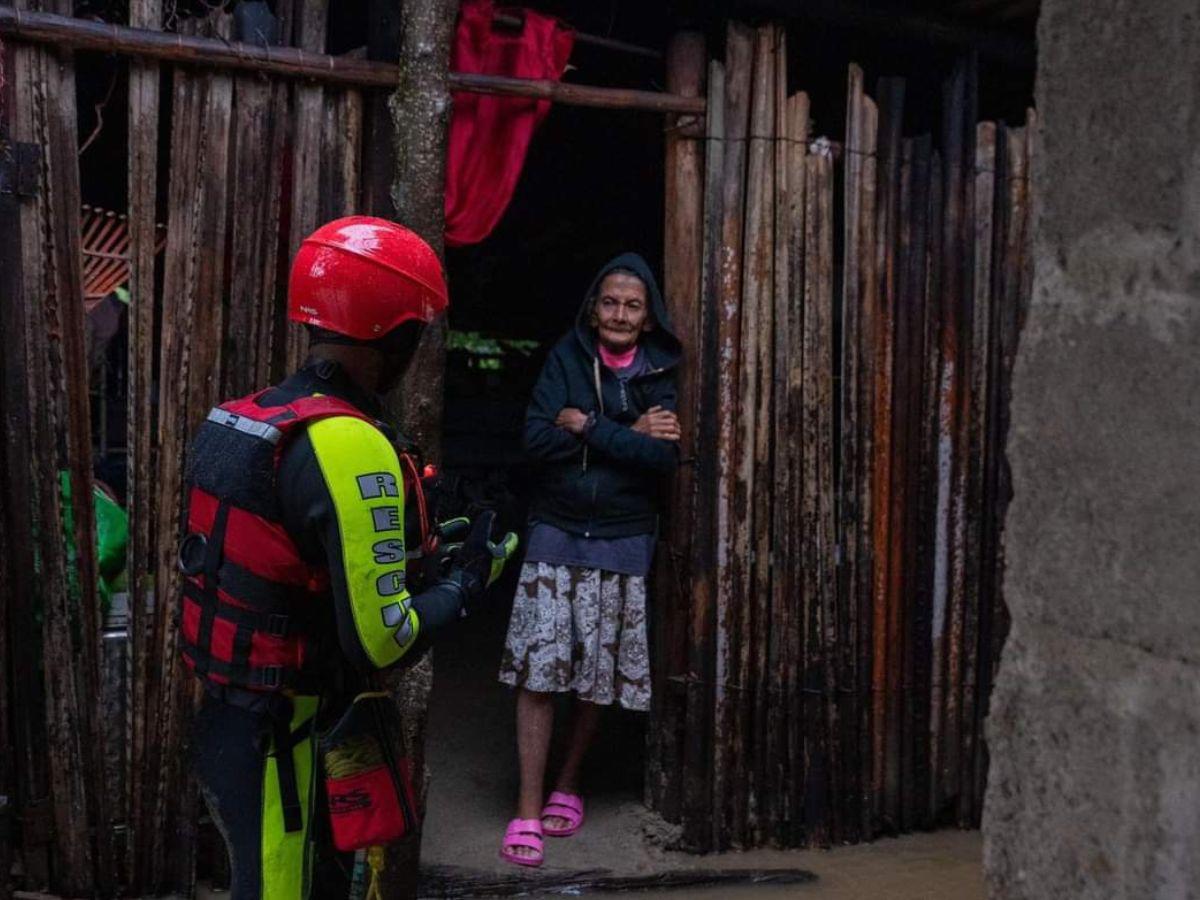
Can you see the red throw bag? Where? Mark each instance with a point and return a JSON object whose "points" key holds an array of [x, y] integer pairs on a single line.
{"points": [[370, 792]]}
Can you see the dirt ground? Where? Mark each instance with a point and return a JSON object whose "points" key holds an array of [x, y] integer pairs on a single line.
{"points": [[472, 758]]}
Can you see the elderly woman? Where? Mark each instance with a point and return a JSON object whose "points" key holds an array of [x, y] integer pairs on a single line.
{"points": [[601, 424]]}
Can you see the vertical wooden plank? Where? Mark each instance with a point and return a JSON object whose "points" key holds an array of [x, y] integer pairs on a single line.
{"points": [[44, 114], [191, 346], [861, 812], [946, 618], [731, 556], [683, 234], [699, 747], [821, 707], [254, 311], [849, 513], [909, 391], [141, 429], [752, 487], [28, 786], [797, 445], [884, 620], [991, 453], [341, 154], [308, 107], [976, 413], [965, 299], [927, 674]]}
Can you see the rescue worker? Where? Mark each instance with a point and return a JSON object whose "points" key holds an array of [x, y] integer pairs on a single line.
{"points": [[295, 555]]}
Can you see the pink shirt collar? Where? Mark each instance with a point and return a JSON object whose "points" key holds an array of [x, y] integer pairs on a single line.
{"points": [[618, 360]]}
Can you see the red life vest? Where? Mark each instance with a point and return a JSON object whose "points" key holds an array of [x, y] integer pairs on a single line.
{"points": [[250, 602]]}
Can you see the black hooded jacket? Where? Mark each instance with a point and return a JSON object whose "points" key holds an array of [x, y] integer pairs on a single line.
{"points": [[606, 484]]}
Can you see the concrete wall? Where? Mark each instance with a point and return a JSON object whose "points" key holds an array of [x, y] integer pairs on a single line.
{"points": [[1095, 724]]}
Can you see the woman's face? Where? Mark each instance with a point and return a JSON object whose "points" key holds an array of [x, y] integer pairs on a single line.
{"points": [[621, 312]]}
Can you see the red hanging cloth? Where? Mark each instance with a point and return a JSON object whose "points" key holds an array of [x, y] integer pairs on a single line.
{"points": [[490, 135]]}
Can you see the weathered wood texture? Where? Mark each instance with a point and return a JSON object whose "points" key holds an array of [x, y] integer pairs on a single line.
{"points": [[52, 411], [682, 241], [420, 110], [842, 623]]}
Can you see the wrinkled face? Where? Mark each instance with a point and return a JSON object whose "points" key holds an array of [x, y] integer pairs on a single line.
{"points": [[621, 311]]}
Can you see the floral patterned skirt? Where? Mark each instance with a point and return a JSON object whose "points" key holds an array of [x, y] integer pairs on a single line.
{"points": [[582, 630]]}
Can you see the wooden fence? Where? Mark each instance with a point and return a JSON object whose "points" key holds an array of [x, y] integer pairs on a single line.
{"points": [[254, 163], [828, 590]]}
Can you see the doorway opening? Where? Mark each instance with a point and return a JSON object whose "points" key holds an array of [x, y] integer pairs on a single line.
{"points": [[591, 188]]}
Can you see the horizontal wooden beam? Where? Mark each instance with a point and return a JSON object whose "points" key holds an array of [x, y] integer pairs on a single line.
{"points": [[84, 34]]}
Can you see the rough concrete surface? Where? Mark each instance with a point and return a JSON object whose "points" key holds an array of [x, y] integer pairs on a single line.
{"points": [[1094, 789]]}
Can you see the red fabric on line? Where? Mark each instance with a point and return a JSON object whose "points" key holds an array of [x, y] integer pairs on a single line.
{"points": [[490, 135]]}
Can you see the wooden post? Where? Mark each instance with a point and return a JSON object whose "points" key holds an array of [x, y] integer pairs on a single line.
{"points": [[309, 34], [256, 325], [420, 109], [192, 328], [927, 668], [141, 427], [752, 550], [945, 704], [793, 519], [682, 237], [25, 768], [975, 373], [731, 549], [60, 435], [886, 623], [781, 630], [699, 723], [821, 723]]}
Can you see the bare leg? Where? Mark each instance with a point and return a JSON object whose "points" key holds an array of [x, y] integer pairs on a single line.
{"points": [[583, 730], [535, 722]]}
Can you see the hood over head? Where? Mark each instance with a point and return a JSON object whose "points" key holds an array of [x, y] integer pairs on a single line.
{"points": [[661, 345]]}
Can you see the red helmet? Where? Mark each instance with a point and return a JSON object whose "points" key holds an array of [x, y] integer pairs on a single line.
{"points": [[361, 276]]}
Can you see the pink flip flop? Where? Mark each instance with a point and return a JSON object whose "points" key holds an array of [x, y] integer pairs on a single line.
{"points": [[523, 833], [563, 806]]}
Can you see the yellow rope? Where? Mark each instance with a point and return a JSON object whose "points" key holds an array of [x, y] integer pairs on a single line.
{"points": [[375, 859], [352, 756]]}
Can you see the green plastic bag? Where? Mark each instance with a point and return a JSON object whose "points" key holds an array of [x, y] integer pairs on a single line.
{"points": [[112, 538]]}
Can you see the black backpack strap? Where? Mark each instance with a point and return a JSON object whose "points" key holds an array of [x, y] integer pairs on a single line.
{"points": [[213, 551], [285, 767]]}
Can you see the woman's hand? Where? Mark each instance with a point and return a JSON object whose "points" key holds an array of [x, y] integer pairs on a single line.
{"points": [[660, 423], [571, 419]]}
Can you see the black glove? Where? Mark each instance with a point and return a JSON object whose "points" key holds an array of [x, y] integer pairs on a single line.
{"points": [[448, 539], [479, 562]]}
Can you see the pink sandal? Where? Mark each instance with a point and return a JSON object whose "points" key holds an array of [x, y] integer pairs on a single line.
{"points": [[563, 806], [523, 833]]}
